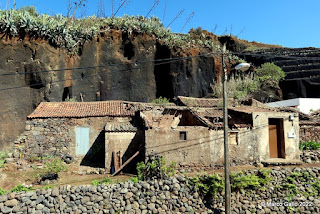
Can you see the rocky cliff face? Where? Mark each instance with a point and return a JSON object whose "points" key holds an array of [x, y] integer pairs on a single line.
{"points": [[301, 65], [109, 71]]}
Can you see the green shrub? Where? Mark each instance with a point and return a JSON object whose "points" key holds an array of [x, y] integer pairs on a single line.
{"points": [[155, 167], [103, 181], [2, 192], [292, 188], [295, 178], [53, 167], [240, 181], [3, 156], [207, 185], [106, 180], [72, 99], [2, 163], [21, 187], [48, 187], [309, 145], [264, 176], [95, 182], [134, 179], [160, 100], [316, 187], [270, 72]]}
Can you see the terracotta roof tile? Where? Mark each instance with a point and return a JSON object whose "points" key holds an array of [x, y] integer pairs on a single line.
{"points": [[202, 102], [120, 127], [250, 109], [209, 112], [82, 109]]}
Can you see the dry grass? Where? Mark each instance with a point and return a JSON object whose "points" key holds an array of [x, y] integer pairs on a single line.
{"points": [[10, 178], [240, 87]]}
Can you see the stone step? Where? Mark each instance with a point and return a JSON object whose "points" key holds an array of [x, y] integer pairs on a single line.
{"points": [[281, 162]]}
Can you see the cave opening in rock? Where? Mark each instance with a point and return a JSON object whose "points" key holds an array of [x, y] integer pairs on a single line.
{"points": [[67, 93], [128, 48], [162, 73], [128, 51]]}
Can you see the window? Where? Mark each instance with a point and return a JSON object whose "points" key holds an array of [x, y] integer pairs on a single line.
{"points": [[183, 135], [233, 138]]}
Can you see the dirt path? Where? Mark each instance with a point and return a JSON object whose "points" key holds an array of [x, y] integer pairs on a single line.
{"points": [[9, 179]]}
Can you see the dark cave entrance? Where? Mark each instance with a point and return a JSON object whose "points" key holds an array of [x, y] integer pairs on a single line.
{"points": [[128, 48], [162, 73], [67, 93]]}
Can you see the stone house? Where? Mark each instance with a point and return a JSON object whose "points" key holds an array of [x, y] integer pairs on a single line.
{"points": [[310, 127], [257, 133], [110, 133], [82, 130]]}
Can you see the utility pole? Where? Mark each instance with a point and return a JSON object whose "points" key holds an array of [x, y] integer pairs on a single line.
{"points": [[225, 130]]}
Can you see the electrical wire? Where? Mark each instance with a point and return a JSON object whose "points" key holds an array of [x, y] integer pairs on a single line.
{"points": [[115, 64], [41, 84]]}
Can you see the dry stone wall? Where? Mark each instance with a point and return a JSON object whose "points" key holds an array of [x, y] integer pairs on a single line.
{"points": [[170, 196], [274, 197], [157, 196], [309, 133], [45, 137]]}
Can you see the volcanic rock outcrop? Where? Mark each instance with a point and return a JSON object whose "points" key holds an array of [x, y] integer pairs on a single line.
{"points": [[114, 66]]}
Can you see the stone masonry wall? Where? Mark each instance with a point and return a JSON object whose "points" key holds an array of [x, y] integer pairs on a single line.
{"points": [[169, 196], [309, 133], [157, 196], [56, 136]]}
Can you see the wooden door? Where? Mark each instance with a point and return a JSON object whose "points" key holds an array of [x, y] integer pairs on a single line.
{"points": [[273, 141], [82, 139]]}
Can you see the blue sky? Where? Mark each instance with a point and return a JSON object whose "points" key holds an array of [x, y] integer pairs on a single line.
{"points": [[290, 23]]}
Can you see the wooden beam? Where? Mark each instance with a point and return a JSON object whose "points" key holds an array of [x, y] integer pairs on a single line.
{"points": [[128, 161]]}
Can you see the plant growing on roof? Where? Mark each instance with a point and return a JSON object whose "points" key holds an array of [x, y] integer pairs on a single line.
{"points": [[161, 101]]}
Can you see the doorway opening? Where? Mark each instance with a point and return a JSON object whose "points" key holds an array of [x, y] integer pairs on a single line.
{"points": [[276, 138]]}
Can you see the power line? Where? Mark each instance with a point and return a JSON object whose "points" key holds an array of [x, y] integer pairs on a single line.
{"points": [[114, 64], [138, 62], [279, 55], [160, 63]]}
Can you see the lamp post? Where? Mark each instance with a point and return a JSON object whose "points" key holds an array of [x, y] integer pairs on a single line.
{"points": [[227, 188], [241, 67]]}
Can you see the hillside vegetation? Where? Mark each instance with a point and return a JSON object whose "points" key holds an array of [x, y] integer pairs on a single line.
{"points": [[71, 33]]}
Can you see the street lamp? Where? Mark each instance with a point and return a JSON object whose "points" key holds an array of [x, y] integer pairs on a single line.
{"points": [[241, 67]]}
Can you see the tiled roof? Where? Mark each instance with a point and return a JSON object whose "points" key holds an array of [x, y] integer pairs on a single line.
{"points": [[120, 127], [250, 109], [302, 116], [82, 109], [202, 102], [209, 112]]}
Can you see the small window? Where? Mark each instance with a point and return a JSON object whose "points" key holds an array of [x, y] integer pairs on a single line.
{"points": [[183, 135], [233, 138]]}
